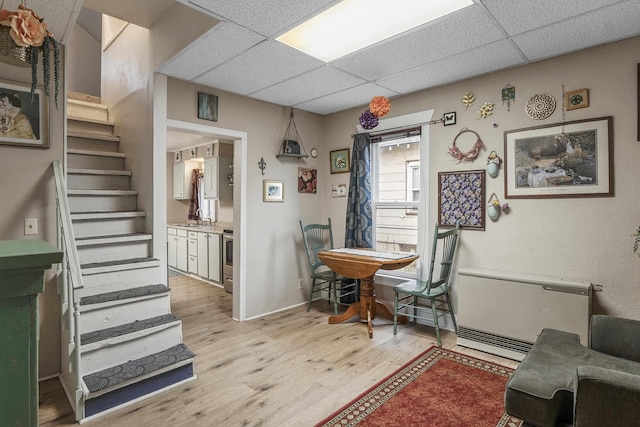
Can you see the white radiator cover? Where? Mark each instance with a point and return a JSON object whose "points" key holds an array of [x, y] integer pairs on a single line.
{"points": [[503, 313]]}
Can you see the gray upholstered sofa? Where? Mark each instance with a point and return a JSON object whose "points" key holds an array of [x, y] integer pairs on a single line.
{"points": [[561, 382]]}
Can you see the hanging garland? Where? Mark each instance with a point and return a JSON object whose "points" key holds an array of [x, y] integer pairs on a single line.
{"points": [[470, 155]]}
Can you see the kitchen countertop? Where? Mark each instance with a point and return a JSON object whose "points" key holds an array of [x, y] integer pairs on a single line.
{"points": [[216, 228]]}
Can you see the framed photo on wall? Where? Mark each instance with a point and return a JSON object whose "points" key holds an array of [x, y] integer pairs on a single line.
{"points": [[272, 191], [207, 106], [339, 161], [461, 199], [570, 159], [23, 118]]}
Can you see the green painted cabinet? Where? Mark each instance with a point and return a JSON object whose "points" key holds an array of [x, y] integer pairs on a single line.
{"points": [[22, 266]]}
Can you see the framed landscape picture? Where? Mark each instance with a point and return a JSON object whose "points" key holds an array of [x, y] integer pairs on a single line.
{"points": [[23, 118], [570, 159]]}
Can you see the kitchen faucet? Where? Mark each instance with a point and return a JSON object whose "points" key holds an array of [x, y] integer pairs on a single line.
{"points": [[198, 220]]}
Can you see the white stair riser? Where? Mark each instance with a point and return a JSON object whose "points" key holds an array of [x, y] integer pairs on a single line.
{"points": [[97, 182], [92, 144], [79, 204], [114, 252], [77, 125], [125, 312], [118, 280], [96, 112], [123, 349], [108, 227], [80, 161]]}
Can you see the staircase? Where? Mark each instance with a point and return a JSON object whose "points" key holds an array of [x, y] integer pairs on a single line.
{"points": [[130, 345]]}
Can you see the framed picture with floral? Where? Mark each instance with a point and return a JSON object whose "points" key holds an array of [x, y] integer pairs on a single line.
{"points": [[461, 199], [561, 160], [307, 180], [339, 160], [272, 191], [23, 118]]}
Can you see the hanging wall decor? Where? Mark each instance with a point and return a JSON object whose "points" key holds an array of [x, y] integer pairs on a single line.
{"points": [[508, 96], [493, 164], [468, 99], [262, 165], [540, 106], [470, 155], [292, 142], [378, 107], [493, 208], [485, 111], [461, 199], [307, 180], [207, 106], [575, 99]]}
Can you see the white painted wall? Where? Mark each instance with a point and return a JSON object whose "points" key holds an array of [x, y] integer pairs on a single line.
{"points": [[83, 62]]}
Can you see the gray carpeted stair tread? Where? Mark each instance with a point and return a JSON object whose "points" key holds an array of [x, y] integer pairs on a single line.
{"points": [[116, 331], [124, 294], [117, 262], [135, 368]]}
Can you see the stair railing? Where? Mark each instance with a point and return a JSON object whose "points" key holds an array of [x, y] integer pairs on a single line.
{"points": [[71, 277]]}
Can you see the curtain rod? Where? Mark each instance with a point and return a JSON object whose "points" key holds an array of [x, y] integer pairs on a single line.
{"points": [[408, 128]]}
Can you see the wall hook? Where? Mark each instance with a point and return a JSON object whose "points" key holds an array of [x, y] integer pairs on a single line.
{"points": [[262, 165]]}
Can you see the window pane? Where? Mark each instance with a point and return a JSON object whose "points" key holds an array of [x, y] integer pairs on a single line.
{"points": [[392, 168], [397, 231]]}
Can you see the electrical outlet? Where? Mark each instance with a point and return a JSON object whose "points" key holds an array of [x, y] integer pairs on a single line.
{"points": [[300, 283], [597, 287], [30, 226]]}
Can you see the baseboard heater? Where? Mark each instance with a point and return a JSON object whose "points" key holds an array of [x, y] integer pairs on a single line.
{"points": [[503, 313]]}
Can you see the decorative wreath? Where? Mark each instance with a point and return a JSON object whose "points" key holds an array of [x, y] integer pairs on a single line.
{"points": [[470, 155]]}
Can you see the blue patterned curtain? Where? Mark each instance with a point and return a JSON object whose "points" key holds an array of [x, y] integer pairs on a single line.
{"points": [[359, 231]]}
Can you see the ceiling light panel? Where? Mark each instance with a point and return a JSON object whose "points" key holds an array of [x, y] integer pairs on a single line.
{"points": [[354, 24]]}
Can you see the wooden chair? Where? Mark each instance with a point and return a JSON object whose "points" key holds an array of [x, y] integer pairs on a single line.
{"points": [[417, 295], [317, 238]]}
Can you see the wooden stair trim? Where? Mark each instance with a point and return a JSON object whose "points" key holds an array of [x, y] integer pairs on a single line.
{"points": [[110, 240], [102, 192], [119, 265], [106, 172], [89, 104], [84, 216], [93, 135], [89, 120], [79, 96], [96, 153]]}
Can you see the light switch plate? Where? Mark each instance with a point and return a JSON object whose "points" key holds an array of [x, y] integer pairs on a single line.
{"points": [[30, 226]]}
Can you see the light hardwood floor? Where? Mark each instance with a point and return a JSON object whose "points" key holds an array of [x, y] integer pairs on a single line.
{"points": [[285, 369]]}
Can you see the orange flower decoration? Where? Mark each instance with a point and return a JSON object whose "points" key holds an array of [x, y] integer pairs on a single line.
{"points": [[379, 106]]}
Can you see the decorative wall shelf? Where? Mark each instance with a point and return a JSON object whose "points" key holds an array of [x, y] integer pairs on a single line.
{"points": [[292, 146]]}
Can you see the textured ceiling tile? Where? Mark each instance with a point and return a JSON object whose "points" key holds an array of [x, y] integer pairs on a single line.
{"points": [[474, 62], [267, 17], [353, 97], [221, 43], [463, 30], [518, 16], [261, 66], [592, 29], [314, 84], [59, 16]]}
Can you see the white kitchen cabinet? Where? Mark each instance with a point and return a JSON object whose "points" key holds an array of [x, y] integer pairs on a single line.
{"points": [[182, 173], [214, 257], [192, 250], [177, 251], [211, 179], [203, 261]]}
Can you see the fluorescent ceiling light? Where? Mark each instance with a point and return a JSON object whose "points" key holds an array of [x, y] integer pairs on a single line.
{"points": [[354, 24]]}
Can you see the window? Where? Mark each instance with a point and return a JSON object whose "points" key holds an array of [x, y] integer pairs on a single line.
{"points": [[395, 171]]}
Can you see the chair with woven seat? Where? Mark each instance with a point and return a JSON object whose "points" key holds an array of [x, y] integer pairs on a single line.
{"points": [[317, 238], [416, 296]]}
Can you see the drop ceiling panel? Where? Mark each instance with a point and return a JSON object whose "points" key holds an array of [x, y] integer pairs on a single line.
{"points": [[221, 43], [498, 55], [314, 84], [261, 66], [267, 17], [518, 16], [602, 26], [349, 98], [463, 30]]}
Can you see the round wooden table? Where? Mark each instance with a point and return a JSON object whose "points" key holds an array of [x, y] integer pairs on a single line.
{"points": [[363, 264]]}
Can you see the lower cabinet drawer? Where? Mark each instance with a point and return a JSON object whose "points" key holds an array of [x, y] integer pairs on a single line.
{"points": [[193, 264]]}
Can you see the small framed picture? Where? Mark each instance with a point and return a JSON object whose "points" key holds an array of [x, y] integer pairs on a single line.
{"points": [[272, 191], [177, 156], [193, 152], [23, 117], [576, 99], [338, 190], [207, 106], [449, 119], [208, 150], [339, 160], [307, 180]]}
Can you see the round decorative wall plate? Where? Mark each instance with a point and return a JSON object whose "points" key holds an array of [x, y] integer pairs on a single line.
{"points": [[314, 153], [540, 106]]}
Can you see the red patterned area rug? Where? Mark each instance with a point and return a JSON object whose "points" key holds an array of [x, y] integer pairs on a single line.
{"points": [[439, 388]]}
